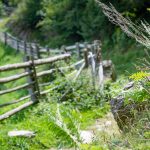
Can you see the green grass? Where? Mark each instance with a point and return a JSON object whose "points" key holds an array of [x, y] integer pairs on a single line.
{"points": [[36, 119], [32, 118], [3, 23], [125, 54], [9, 56]]}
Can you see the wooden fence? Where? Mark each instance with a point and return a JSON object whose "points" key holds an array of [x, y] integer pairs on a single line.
{"points": [[89, 55], [32, 76], [8, 10], [41, 52]]}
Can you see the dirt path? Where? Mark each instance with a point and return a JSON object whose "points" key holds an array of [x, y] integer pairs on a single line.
{"points": [[106, 125], [102, 130]]}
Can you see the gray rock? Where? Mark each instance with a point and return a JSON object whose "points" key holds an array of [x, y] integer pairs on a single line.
{"points": [[87, 137], [129, 86], [123, 113], [21, 133]]}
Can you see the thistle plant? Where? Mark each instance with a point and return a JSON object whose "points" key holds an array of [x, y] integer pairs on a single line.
{"points": [[140, 32], [66, 129]]}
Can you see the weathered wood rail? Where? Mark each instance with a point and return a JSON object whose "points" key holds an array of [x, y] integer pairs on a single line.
{"points": [[42, 52], [88, 54], [36, 62], [32, 79]]}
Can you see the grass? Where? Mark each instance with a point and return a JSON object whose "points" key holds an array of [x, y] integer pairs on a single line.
{"points": [[125, 54], [3, 23], [135, 138], [9, 56], [38, 122], [37, 118], [32, 118]]}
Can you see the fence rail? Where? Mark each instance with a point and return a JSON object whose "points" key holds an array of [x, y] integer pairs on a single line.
{"points": [[88, 54], [31, 76], [36, 62], [39, 51]]}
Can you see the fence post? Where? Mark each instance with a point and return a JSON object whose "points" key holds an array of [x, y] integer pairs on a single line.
{"points": [[34, 76], [29, 70], [17, 46], [31, 78], [93, 48], [99, 63], [86, 58], [78, 50], [98, 52], [93, 69], [48, 51], [37, 51], [5, 38], [25, 50], [63, 48]]}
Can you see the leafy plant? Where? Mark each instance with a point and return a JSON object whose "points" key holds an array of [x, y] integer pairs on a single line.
{"points": [[65, 126]]}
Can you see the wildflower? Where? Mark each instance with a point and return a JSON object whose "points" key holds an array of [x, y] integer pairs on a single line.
{"points": [[139, 76]]}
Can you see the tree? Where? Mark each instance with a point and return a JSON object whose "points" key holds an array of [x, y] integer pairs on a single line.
{"points": [[5, 2], [67, 21], [63, 20], [28, 14]]}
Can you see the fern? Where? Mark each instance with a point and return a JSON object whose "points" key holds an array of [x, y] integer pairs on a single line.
{"points": [[68, 134]]}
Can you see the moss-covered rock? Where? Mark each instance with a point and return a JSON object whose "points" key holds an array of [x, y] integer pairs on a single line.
{"points": [[127, 105]]}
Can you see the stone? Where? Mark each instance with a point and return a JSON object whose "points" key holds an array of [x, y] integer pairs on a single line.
{"points": [[129, 86], [87, 137], [122, 112], [21, 133]]}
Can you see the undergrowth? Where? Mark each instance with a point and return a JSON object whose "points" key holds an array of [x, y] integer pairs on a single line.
{"points": [[79, 108], [136, 127], [57, 123]]}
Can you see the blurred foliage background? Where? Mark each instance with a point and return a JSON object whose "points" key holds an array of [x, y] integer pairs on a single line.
{"points": [[64, 22]]}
